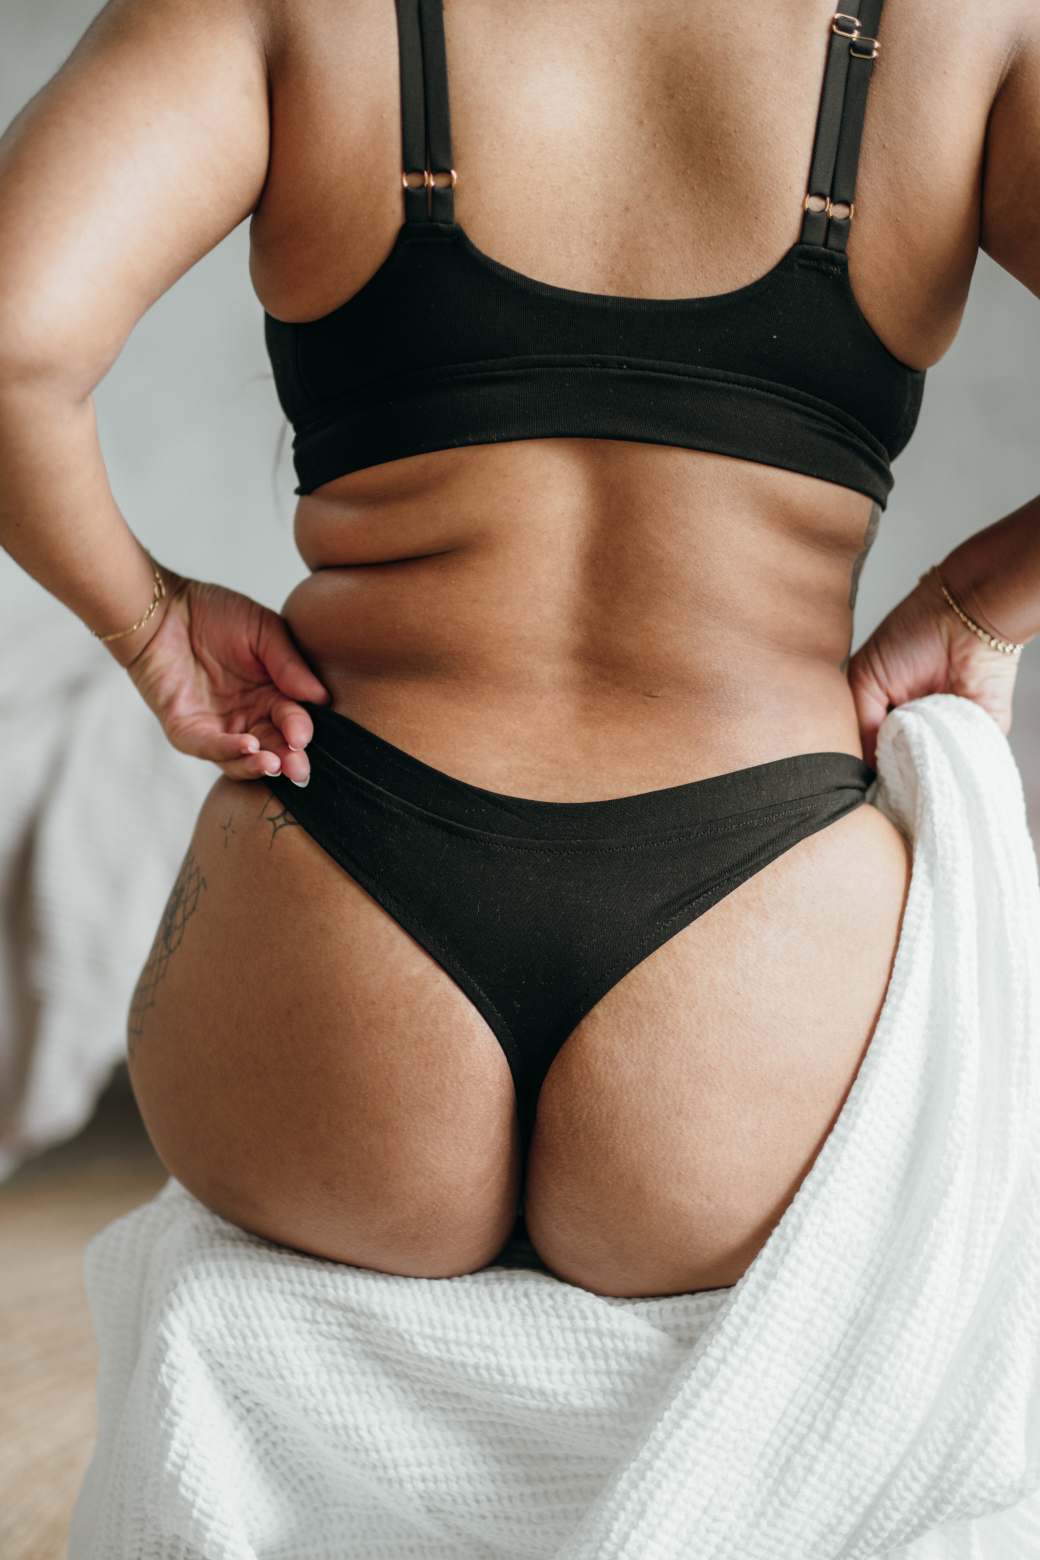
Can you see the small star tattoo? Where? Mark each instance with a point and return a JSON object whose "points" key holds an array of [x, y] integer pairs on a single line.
{"points": [[277, 820]]}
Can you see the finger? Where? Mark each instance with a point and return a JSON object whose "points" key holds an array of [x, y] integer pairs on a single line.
{"points": [[294, 725], [868, 731], [263, 735], [218, 746], [871, 702], [285, 665], [293, 764], [255, 766]]}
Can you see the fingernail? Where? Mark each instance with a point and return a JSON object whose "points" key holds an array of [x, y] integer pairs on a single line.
{"points": [[300, 782]]}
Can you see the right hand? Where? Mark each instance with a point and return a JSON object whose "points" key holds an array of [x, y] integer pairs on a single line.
{"points": [[922, 647]]}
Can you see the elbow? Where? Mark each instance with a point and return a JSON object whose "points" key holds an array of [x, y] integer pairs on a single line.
{"points": [[43, 373], [48, 355]]}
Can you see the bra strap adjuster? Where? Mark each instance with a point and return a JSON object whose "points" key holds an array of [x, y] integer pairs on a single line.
{"points": [[837, 210], [429, 177], [875, 48], [854, 36], [827, 209]]}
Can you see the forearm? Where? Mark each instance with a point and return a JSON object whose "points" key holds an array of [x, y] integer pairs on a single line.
{"points": [[58, 518], [995, 574]]}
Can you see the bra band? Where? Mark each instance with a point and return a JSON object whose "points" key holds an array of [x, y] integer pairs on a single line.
{"points": [[444, 346], [429, 177]]}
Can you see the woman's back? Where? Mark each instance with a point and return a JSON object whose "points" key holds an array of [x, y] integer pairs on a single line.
{"points": [[683, 610], [554, 619]]}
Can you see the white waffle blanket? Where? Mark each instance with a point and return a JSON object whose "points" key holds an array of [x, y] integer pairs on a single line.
{"points": [[870, 1387]]}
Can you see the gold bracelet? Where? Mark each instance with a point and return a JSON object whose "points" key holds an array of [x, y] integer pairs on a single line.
{"points": [[1005, 646], [158, 592]]}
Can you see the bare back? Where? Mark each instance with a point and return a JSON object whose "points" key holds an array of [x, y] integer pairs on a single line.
{"points": [[676, 612], [567, 619]]}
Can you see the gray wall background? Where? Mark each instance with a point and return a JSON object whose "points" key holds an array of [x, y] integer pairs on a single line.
{"points": [[193, 435]]}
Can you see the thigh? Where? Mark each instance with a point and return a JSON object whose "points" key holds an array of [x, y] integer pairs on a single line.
{"points": [[677, 1122], [305, 1068]]}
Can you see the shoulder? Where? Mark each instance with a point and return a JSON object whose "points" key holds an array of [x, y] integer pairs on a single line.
{"points": [[144, 23], [1010, 175]]}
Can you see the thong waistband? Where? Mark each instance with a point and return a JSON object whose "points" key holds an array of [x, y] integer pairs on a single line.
{"points": [[376, 762]]}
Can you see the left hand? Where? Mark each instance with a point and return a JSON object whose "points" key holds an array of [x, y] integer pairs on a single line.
{"points": [[223, 674]]}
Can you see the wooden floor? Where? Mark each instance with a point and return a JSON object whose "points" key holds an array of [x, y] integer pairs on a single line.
{"points": [[48, 1211]]}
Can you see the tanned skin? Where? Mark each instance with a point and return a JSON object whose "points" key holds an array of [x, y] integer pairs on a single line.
{"points": [[565, 619]]}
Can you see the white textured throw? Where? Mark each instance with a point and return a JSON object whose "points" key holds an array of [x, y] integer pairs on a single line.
{"points": [[870, 1387]]}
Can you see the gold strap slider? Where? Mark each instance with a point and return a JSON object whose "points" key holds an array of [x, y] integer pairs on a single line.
{"points": [[854, 36], [429, 178], [838, 210]]}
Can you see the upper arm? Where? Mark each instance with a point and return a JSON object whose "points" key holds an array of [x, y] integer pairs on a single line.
{"points": [[144, 150], [1010, 219]]}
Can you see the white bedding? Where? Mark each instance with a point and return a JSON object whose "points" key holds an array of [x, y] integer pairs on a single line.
{"points": [[870, 1387]]}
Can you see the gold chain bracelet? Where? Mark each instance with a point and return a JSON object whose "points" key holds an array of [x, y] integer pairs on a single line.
{"points": [[158, 592], [1005, 646]]}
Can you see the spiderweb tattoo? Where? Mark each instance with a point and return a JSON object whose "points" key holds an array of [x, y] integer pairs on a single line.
{"points": [[868, 541], [180, 907]]}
